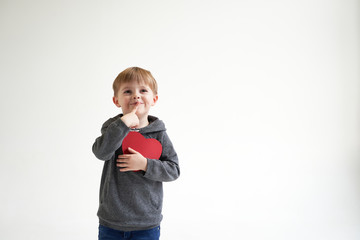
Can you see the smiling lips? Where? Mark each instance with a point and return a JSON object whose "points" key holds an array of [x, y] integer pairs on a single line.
{"points": [[135, 103]]}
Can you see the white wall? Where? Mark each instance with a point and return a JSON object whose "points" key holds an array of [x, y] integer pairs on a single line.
{"points": [[261, 99]]}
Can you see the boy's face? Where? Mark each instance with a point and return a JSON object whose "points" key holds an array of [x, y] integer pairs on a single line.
{"points": [[132, 93]]}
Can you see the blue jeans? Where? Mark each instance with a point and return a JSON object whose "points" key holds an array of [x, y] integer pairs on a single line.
{"points": [[106, 233]]}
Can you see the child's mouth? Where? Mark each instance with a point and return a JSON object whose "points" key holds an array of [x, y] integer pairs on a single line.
{"points": [[136, 103]]}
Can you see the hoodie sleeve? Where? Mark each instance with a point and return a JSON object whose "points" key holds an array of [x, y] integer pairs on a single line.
{"points": [[167, 168], [113, 133]]}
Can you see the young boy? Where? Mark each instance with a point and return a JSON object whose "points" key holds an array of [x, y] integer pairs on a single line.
{"points": [[131, 192]]}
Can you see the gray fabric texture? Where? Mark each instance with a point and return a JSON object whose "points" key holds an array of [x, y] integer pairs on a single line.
{"points": [[131, 201]]}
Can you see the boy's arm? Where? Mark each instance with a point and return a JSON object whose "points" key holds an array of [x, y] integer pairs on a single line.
{"points": [[167, 168], [113, 133]]}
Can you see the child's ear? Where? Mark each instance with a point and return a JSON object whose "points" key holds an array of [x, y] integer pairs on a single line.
{"points": [[155, 98], [116, 101]]}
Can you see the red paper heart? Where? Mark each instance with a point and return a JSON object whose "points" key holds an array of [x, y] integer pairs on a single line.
{"points": [[148, 147]]}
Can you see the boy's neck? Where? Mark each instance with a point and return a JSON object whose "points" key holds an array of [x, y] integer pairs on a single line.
{"points": [[143, 122]]}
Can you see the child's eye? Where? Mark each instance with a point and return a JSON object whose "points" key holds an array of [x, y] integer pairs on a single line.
{"points": [[127, 91], [144, 90]]}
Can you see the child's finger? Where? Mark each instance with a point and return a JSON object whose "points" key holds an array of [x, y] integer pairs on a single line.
{"points": [[121, 164], [135, 107], [124, 169]]}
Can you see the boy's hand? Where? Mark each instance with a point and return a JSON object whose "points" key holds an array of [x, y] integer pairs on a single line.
{"points": [[131, 119], [131, 162]]}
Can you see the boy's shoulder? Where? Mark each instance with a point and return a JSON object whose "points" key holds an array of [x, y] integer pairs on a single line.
{"points": [[112, 119]]}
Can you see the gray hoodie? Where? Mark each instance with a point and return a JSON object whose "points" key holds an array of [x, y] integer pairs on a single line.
{"points": [[131, 201]]}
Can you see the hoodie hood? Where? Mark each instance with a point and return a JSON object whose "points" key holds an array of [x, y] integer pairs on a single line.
{"points": [[155, 125]]}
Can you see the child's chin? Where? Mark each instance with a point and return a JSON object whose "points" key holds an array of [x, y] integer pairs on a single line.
{"points": [[141, 113]]}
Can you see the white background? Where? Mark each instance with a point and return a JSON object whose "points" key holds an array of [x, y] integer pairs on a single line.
{"points": [[261, 100]]}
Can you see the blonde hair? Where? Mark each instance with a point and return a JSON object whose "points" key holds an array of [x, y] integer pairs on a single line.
{"points": [[135, 74]]}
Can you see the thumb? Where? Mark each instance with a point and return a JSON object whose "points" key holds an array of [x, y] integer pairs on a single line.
{"points": [[131, 150]]}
